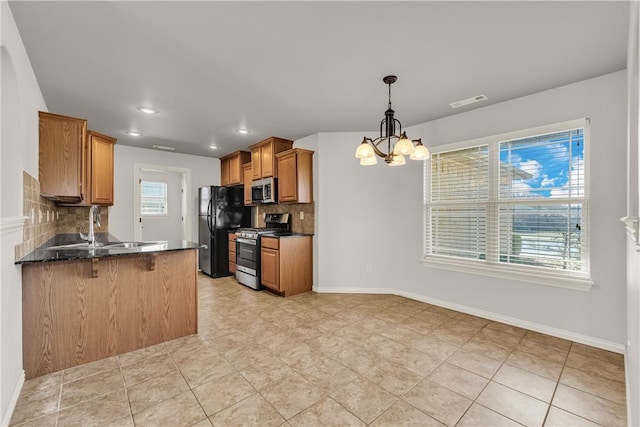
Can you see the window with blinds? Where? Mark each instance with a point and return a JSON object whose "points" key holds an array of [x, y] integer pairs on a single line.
{"points": [[153, 197], [514, 202]]}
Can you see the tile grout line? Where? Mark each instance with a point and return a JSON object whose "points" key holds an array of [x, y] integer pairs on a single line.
{"points": [[126, 390], [490, 380], [186, 382], [555, 389], [60, 398]]}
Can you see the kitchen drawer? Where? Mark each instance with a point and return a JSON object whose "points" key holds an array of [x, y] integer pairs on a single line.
{"points": [[232, 267], [270, 242], [232, 237], [232, 246]]}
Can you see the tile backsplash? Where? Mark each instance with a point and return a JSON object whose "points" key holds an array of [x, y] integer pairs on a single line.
{"points": [[306, 225], [45, 219]]}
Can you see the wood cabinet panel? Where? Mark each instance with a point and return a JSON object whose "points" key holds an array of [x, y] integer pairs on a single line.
{"points": [[247, 172], [270, 243], [61, 166], [101, 167], [295, 181], [235, 170], [231, 168], [270, 268], [224, 173], [296, 265], [287, 264], [71, 318], [75, 165], [232, 253], [287, 182], [256, 163], [267, 160], [263, 156]]}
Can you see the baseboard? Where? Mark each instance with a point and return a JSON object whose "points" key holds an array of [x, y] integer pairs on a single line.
{"points": [[537, 327], [6, 417]]}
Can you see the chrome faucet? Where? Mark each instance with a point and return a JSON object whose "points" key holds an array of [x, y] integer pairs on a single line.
{"points": [[94, 217]]}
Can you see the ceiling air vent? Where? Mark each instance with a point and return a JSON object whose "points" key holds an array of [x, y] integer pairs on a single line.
{"points": [[468, 101]]}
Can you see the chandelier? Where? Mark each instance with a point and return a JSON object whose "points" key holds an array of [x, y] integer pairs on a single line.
{"points": [[397, 146]]}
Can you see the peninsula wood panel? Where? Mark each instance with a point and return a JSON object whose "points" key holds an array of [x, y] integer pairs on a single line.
{"points": [[71, 318]]}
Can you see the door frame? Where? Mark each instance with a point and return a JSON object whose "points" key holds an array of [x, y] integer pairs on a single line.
{"points": [[138, 169]]}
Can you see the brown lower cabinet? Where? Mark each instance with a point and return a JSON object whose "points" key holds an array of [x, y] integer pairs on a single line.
{"points": [[287, 264], [232, 252]]}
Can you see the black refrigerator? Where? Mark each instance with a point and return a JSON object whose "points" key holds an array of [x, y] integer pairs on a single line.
{"points": [[221, 209]]}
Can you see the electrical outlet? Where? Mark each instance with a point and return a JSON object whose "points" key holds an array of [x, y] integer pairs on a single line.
{"points": [[369, 268], [47, 216], [57, 215], [33, 216], [301, 214], [39, 216]]}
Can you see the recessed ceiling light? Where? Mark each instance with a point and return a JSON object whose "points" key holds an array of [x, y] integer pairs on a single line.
{"points": [[133, 133], [213, 147], [163, 147], [243, 131], [147, 110], [468, 101]]}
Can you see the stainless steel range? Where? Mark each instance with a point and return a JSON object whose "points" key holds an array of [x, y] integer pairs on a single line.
{"points": [[248, 247]]}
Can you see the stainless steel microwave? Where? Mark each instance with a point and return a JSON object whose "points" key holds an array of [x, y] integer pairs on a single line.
{"points": [[264, 191]]}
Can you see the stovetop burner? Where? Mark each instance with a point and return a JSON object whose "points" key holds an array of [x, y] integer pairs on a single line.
{"points": [[259, 229], [274, 224]]}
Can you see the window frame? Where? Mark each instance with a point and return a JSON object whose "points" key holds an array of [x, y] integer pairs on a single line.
{"points": [[164, 214], [491, 266]]}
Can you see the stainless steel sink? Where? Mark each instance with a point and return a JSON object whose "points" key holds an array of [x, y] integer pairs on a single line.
{"points": [[130, 245], [84, 246], [79, 246]]}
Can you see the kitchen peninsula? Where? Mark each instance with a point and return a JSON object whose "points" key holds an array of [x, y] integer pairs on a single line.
{"points": [[82, 304]]}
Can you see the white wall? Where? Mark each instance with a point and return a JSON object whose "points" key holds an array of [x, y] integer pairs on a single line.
{"points": [[20, 101], [204, 171], [373, 215], [632, 361]]}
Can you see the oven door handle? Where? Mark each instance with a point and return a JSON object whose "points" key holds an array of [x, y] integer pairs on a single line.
{"points": [[247, 241]]}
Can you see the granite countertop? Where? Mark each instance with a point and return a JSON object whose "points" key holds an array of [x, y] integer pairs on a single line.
{"points": [[47, 252]]}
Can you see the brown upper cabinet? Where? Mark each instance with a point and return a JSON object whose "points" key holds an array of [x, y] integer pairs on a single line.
{"points": [[246, 172], [263, 161], [75, 165], [100, 174], [231, 167], [295, 179]]}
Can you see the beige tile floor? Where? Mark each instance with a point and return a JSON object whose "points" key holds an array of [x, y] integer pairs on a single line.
{"points": [[336, 360]]}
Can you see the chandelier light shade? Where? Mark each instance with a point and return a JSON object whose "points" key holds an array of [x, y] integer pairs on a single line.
{"points": [[397, 144]]}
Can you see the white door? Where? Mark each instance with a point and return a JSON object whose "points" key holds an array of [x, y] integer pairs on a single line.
{"points": [[161, 215]]}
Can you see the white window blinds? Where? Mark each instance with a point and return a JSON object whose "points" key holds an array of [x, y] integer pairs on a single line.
{"points": [[153, 197], [518, 203], [460, 188]]}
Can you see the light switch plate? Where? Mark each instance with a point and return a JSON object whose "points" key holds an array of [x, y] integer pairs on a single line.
{"points": [[301, 214]]}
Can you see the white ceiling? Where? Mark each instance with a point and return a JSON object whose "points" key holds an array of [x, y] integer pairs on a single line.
{"points": [[291, 69]]}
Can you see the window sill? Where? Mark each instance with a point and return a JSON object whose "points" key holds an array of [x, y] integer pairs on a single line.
{"points": [[510, 273]]}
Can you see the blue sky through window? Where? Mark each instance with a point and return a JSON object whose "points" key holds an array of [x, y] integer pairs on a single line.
{"points": [[545, 166]]}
